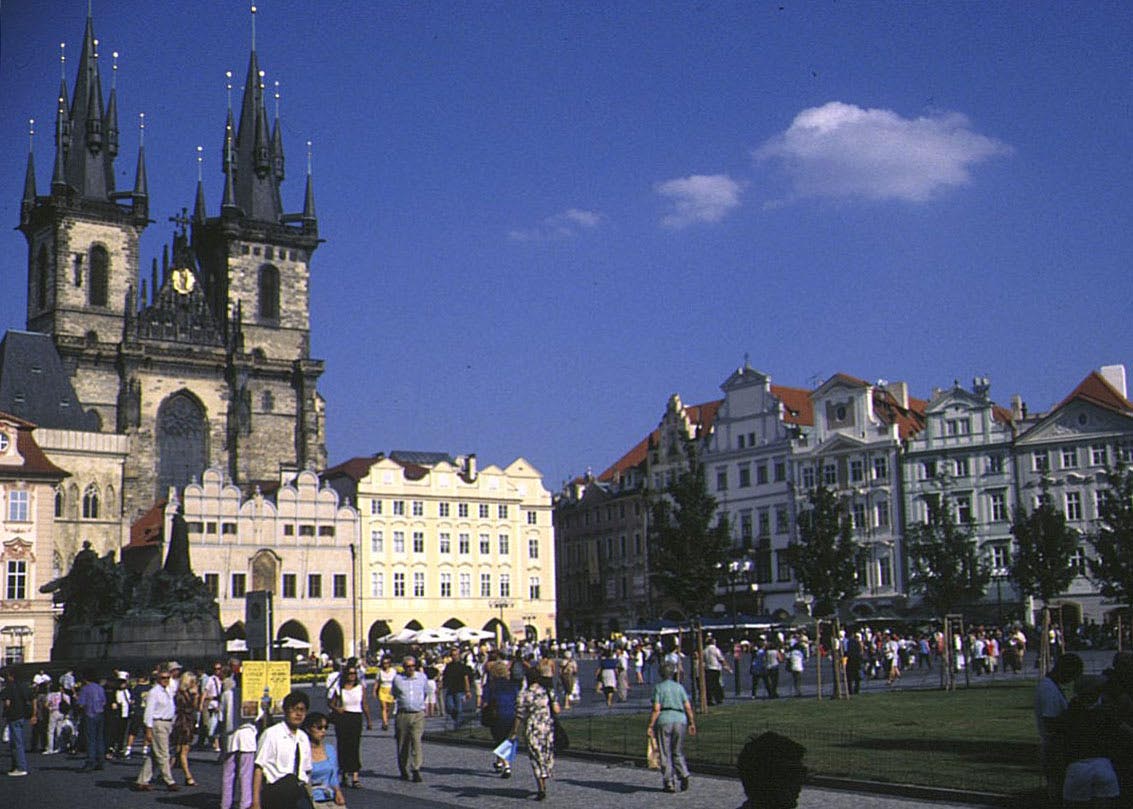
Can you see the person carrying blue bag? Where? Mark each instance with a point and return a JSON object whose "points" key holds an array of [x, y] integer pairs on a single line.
{"points": [[497, 713]]}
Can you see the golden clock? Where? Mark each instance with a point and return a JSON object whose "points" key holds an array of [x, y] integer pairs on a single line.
{"points": [[184, 280]]}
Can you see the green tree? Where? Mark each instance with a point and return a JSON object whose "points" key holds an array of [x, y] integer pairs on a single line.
{"points": [[690, 543], [825, 557], [946, 568], [1112, 568], [1044, 545]]}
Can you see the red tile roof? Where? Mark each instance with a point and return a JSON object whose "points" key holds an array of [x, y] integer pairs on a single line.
{"points": [[703, 416], [909, 421], [1002, 414], [36, 464], [147, 529], [355, 468], [1096, 390], [797, 405]]}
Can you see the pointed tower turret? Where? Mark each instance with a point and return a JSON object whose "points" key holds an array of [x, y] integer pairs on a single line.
{"points": [[89, 165], [141, 185], [27, 202], [62, 131], [309, 218], [110, 121], [200, 214], [256, 187]]}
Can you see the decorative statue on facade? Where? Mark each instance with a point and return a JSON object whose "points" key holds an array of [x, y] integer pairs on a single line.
{"points": [[109, 612]]}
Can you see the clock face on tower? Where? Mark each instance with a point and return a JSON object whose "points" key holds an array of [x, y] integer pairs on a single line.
{"points": [[184, 280]]}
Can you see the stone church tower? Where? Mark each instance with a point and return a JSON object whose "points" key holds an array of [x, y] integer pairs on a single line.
{"points": [[211, 366]]}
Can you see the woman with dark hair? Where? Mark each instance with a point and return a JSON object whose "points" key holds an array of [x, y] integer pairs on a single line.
{"points": [[498, 709], [349, 706], [383, 689], [535, 713], [326, 791]]}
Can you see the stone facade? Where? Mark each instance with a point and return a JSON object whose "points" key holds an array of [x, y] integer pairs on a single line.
{"points": [[1064, 454], [964, 455], [27, 501], [295, 539], [447, 544], [88, 505], [205, 363], [749, 457]]}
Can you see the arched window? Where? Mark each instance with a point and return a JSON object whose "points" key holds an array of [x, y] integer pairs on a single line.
{"points": [[41, 277], [59, 501], [182, 441], [99, 275], [90, 502], [269, 293]]}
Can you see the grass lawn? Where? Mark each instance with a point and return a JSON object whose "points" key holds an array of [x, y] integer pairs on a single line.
{"points": [[979, 739]]}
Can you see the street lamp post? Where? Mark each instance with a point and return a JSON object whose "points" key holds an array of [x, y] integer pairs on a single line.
{"points": [[999, 574], [501, 604]]}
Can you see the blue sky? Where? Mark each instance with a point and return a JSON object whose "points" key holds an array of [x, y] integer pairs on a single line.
{"points": [[544, 218]]}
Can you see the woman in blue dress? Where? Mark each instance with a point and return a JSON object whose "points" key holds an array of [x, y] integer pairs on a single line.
{"points": [[326, 792]]}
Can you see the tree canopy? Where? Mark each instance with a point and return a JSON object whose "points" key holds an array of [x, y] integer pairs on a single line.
{"points": [[690, 544], [945, 564], [825, 557], [1112, 568], [1044, 545]]}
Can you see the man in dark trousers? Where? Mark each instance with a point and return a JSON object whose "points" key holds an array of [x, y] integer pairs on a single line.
{"points": [[456, 680], [17, 700]]}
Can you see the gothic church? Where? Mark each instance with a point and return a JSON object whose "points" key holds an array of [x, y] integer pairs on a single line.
{"points": [[206, 362]]}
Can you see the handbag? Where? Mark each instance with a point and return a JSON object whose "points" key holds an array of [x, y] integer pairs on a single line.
{"points": [[561, 739], [489, 715], [652, 754]]}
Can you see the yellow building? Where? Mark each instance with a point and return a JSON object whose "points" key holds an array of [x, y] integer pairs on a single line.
{"points": [[447, 544]]}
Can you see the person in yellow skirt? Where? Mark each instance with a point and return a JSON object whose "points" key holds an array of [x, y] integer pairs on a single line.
{"points": [[383, 689]]}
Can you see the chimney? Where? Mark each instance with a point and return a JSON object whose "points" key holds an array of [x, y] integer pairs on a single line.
{"points": [[900, 392], [470, 466], [1115, 376], [1017, 409]]}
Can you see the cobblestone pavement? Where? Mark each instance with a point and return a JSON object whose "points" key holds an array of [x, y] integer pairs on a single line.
{"points": [[454, 776]]}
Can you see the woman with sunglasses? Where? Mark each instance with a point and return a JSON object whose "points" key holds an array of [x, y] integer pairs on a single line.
{"points": [[349, 706], [325, 789]]}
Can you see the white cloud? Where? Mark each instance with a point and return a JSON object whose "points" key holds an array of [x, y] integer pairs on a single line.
{"points": [[841, 150], [563, 225], [699, 198]]}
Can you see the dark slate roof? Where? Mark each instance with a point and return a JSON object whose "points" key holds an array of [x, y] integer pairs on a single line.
{"points": [[34, 385], [421, 458]]}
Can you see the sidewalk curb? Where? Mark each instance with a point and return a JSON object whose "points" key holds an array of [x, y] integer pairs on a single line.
{"points": [[911, 791]]}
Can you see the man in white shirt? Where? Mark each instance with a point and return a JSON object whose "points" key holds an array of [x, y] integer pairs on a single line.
{"points": [[283, 760], [158, 721], [714, 664]]}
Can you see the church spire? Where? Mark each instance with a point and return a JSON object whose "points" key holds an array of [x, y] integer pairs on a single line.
{"points": [[59, 173], [110, 122], [89, 166], [277, 142], [309, 196], [200, 214], [141, 186], [28, 200], [256, 187]]}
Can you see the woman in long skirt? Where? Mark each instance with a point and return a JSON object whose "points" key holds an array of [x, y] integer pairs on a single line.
{"points": [[535, 712], [349, 706]]}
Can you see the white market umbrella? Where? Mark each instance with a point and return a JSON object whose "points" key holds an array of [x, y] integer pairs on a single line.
{"points": [[292, 643], [467, 634], [442, 635], [400, 636]]}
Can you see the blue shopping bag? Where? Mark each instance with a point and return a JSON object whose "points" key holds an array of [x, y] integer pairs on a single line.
{"points": [[507, 750]]}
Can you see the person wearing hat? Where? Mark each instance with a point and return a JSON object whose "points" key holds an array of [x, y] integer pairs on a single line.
{"points": [[174, 676], [158, 722]]}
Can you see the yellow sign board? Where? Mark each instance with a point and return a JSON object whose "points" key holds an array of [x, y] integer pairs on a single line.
{"points": [[263, 681]]}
